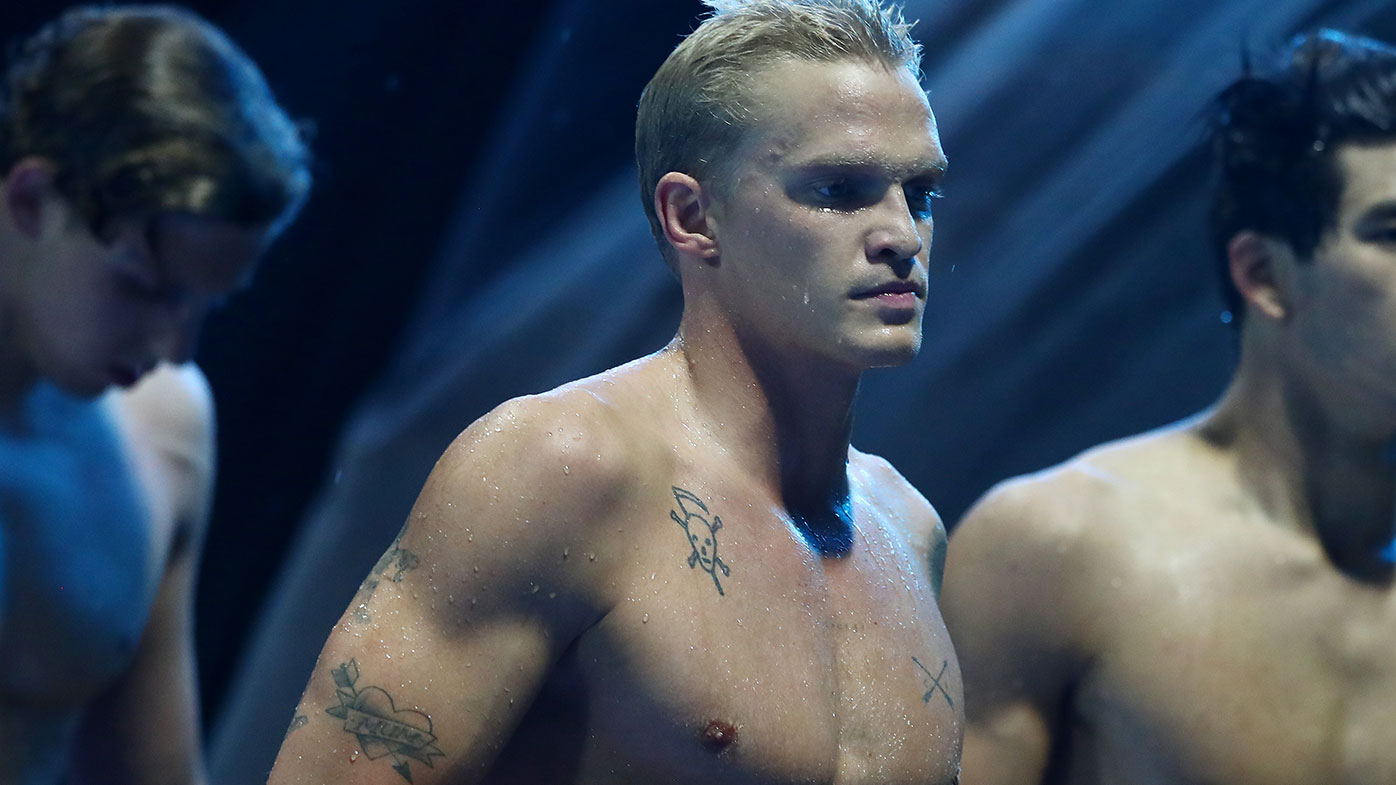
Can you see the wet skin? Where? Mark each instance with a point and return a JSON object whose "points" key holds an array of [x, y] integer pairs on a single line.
{"points": [[615, 642]]}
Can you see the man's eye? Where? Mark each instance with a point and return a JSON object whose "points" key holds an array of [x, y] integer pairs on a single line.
{"points": [[919, 198], [834, 191]]}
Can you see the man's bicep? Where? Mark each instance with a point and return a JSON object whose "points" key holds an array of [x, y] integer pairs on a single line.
{"points": [[1009, 610], [1006, 744], [144, 728], [408, 704], [455, 629]]}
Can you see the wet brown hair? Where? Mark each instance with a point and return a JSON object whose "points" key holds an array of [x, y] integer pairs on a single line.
{"points": [[146, 109]]}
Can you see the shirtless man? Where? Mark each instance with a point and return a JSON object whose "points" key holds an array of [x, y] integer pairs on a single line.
{"points": [[1213, 602], [145, 168], [679, 571]]}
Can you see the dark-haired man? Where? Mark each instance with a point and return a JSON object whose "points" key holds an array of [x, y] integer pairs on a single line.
{"points": [[1213, 602], [144, 167], [679, 571]]}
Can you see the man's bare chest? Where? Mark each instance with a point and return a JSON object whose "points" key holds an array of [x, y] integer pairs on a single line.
{"points": [[1264, 675], [78, 570], [736, 651]]}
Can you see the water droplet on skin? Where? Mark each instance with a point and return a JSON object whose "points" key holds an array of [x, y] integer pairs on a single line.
{"points": [[566, 469], [565, 551], [645, 619], [591, 556]]}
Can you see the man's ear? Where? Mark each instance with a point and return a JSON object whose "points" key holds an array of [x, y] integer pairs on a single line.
{"points": [[27, 189], [1253, 261], [685, 214]]}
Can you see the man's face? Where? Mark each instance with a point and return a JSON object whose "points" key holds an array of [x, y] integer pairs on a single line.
{"points": [[823, 222], [95, 315], [1343, 301]]}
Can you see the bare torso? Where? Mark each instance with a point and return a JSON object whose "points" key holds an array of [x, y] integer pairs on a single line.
{"points": [[88, 520], [1214, 645], [803, 669], [720, 645]]}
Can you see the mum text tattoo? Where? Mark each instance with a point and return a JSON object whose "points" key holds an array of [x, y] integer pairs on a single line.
{"points": [[702, 535], [381, 728], [392, 565], [933, 684]]}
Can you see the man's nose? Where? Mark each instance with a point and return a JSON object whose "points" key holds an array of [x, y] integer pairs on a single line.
{"points": [[896, 238], [178, 335]]}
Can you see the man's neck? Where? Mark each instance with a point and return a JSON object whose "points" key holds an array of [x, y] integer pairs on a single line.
{"points": [[1308, 471], [17, 373], [785, 420]]}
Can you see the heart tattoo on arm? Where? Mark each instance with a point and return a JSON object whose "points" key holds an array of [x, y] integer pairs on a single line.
{"points": [[382, 729]]}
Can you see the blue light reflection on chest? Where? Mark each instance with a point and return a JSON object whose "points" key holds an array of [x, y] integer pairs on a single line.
{"points": [[75, 578]]}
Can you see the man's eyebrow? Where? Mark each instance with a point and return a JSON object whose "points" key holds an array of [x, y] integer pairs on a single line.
{"points": [[925, 169], [1381, 211]]}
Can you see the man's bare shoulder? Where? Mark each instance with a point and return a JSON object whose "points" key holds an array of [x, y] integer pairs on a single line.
{"points": [[1070, 532], [167, 427], [527, 501], [894, 494], [171, 413], [569, 458], [1094, 494]]}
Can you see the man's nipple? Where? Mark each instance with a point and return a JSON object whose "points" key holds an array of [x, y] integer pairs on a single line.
{"points": [[719, 735]]}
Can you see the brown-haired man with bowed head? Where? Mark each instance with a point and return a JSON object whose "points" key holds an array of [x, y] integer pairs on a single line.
{"points": [[145, 166], [679, 571]]}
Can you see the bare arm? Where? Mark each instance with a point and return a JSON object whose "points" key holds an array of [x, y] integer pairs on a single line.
{"points": [[145, 728], [1012, 615], [430, 669]]}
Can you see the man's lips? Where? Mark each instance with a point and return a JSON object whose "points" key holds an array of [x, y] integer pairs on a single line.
{"points": [[124, 375], [892, 290]]}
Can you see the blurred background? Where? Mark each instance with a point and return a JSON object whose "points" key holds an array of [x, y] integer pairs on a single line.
{"points": [[476, 234]]}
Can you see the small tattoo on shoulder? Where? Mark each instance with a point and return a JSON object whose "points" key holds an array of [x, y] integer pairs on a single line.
{"points": [[933, 682], [395, 563], [297, 722], [382, 729], [701, 527]]}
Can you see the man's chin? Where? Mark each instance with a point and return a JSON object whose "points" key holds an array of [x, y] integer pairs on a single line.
{"points": [[891, 348], [895, 360], [86, 386], [889, 355]]}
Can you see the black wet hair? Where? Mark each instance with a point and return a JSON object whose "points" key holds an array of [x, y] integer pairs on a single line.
{"points": [[1275, 134]]}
